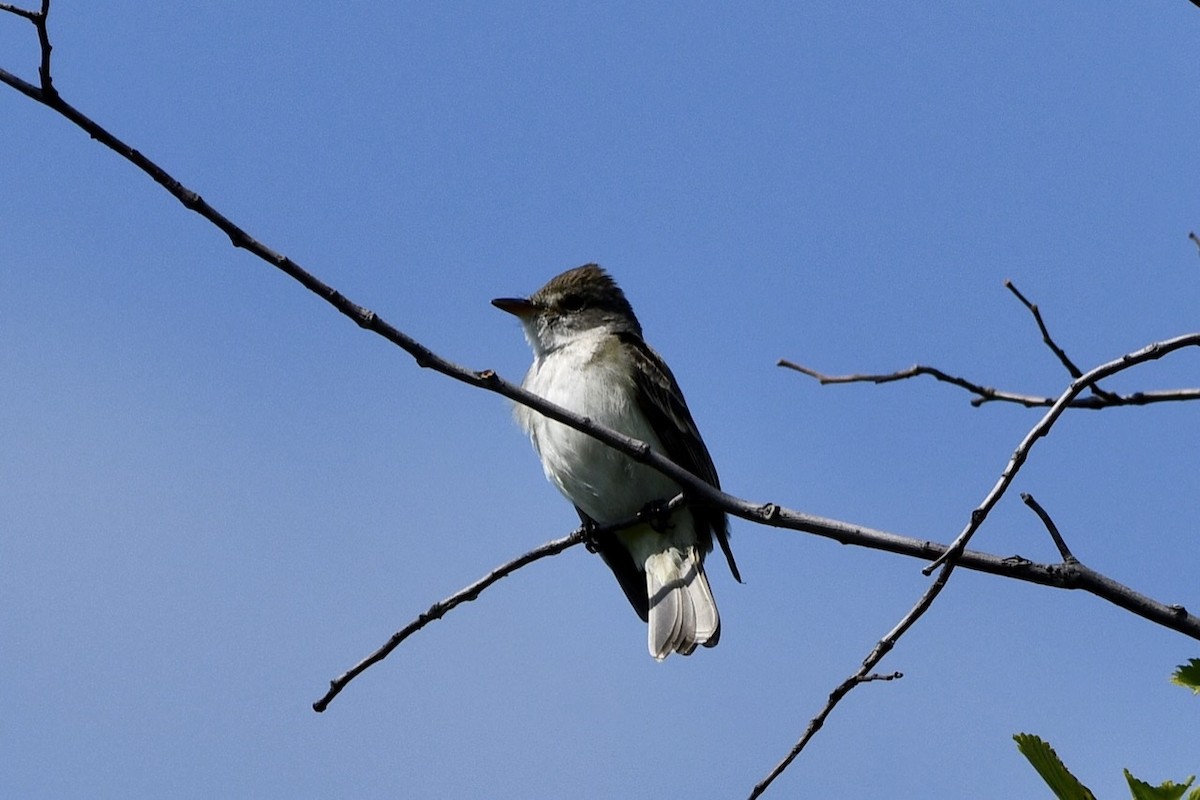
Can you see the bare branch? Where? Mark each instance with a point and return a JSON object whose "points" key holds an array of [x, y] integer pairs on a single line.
{"points": [[881, 649], [1061, 354], [472, 591], [986, 394], [1192, 234], [38, 18], [814, 725], [983, 393], [20, 12], [1046, 338], [443, 607], [1099, 399], [1151, 352], [1063, 550], [1014, 567], [949, 558], [877, 676]]}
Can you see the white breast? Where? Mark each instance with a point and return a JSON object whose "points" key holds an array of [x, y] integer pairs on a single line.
{"points": [[590, 376]]}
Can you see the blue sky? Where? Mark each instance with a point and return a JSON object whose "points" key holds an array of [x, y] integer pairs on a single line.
{"points": [[217, 494]]}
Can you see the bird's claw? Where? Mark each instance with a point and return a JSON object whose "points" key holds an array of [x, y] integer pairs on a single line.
{"points": [[656, 515], [591, 540]]}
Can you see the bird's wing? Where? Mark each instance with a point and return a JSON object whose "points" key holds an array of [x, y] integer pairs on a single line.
{"points": [[661, 400]]}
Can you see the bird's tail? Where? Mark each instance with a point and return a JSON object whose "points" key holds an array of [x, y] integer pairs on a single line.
{"points": [[683, 613]]}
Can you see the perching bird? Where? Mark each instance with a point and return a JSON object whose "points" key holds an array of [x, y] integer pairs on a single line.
{"points": [[589, 357]]}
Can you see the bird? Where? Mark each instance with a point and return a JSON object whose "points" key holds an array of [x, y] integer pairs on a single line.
{"points": [[590, 357]]}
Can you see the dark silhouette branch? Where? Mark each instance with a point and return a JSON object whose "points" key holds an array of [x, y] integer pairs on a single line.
{"points": [[39, 20], [32, 16], [1051, 528]]}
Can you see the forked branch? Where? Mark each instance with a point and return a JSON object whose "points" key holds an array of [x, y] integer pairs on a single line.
{"points": [[1098, 399], [949, 559]]}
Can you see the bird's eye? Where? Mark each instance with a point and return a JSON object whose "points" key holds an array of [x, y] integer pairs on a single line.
{"points": [[571, 302]]}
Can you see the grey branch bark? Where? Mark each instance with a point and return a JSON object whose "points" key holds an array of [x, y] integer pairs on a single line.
{"points": [[1099, 399]]}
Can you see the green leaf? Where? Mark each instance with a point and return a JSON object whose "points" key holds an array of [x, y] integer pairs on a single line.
{"points": [[1047, 763], [1188, 675], [1167, 791]]}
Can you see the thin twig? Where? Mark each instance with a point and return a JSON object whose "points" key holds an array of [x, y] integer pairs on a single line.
{"points": [[472, 591], [983, 393], [1046, 338], [881, 676], [814, 725], [20, 12], [1063, 550], [39, 19], [986, 394], [881, 649], [1099, 398], [442, 607], [44, 44], [1061, 354], [1192, 234]]}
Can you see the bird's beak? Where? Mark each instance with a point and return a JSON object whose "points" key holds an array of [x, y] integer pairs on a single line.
{"points": [[520, 307]]}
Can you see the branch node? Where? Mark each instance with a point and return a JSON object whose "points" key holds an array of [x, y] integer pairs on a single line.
{"points": [[768, 512]]}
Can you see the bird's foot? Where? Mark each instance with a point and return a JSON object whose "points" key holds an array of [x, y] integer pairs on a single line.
{"points": [[590, 538], [657, 516]]}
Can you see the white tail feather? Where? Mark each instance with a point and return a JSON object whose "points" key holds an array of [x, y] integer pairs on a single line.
{"points": [[683, 613]]}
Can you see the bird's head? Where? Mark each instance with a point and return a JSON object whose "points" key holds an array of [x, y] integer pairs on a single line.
{"points": [[577, 302]]}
